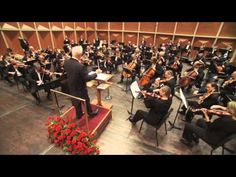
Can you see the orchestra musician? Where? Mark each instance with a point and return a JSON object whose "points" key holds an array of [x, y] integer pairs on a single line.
{"points": [[211, 131], [77, 76], [18, 71], [24, 44], [168, 80], [3, 69], [206, 101], [37, 77], [129, 70], [159, 107]]}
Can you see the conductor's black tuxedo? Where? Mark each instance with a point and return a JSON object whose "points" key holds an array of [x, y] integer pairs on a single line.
{"points": [[77, 76]]}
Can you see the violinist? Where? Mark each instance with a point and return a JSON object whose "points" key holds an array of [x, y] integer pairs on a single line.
{"points": [[228, 85], [158, 107], [3, 69], [206, 101], [129, 70], [176, 66], [168, 80], [117, 59], [18, 71], [37, 77], [210, 131]]}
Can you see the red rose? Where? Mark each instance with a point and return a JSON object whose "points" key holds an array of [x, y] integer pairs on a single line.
{"points": [[58, 128], [73, 141], [73, 125], [73, 133], [68, 131], [68, 142], [55, 134], [58, 119], [66, 120], [69, 137], [69, 149], [94, 141], [74, 152]]}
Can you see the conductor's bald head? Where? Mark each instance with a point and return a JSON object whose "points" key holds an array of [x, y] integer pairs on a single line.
{"points": [[77, 52]]}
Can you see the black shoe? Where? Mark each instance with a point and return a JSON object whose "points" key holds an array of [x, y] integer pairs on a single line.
{"points": [[49, 96], [133, 122], [186, 142], [94, 113], [120, 82], [38, 101], [181, 112]]}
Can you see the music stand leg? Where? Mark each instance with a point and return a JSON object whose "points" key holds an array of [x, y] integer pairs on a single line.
{"points": [[172, 125], [131, 109], [108, 97]]}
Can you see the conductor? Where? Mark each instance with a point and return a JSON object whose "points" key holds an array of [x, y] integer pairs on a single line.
{"points": [[77, 75]]}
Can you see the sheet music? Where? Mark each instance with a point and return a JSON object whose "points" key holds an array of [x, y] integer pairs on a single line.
{"points": [[135, 89], [91, 72], [102, 76], [183, 98]]}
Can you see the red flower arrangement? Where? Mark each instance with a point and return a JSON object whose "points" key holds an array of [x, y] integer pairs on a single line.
{"points": [[66, 134]]}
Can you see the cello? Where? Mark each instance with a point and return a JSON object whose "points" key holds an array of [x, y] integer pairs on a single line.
{"points": [[148, 75], [127, 71]]}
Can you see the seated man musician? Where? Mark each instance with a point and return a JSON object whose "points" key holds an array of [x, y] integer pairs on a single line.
{"points": [[210, 131], [37, 77], [158, 104], [206, 101]]}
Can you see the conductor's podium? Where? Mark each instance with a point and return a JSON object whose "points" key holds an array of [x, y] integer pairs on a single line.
{"points": [[96, 124]]}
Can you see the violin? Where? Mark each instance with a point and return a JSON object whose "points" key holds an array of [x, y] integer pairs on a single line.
{"points": [[205, 96], [154, 94], [214, 111]]}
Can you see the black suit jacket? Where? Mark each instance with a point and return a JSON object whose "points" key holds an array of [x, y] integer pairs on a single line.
{"points": [[158, 109], [77, 75]]}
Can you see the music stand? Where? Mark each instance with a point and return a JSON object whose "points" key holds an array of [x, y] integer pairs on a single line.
{"points": [[135, 90], [182, 100]]}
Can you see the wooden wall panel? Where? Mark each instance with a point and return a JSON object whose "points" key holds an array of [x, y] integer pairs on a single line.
{"points": [[102, 35], [166, 27], [208, 42], [90, 36], [3, 47], [185, 27], [90, 25], [30, 24], [12, 24], [102, 25], [80, 34], [163, 39], [149, 38], [183, 39], [130, 37], [44, 24], [32, 38], [57, 24], [70, 35], [69, 24], [224, 43], [208, 28], [229, 29], [116, 25], [58, 39], [13, 42], [131, 26], [80, 25], [116, 36], [148, 26], [45, 39]]}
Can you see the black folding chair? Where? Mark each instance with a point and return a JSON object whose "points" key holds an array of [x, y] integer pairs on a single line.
{"points": [[163, 121]]}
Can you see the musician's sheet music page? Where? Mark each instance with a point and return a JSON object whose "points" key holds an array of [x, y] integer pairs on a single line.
{"points": [[102, 76], [183, 98], [135, 89]]}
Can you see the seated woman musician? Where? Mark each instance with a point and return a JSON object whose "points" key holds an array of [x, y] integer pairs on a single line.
{"points": [[158, 104], [210, 131]]}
